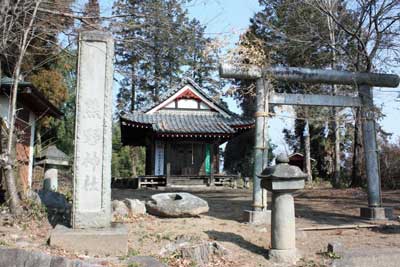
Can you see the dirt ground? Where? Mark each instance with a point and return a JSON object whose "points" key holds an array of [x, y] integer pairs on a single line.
{"points": [[247, 244]]}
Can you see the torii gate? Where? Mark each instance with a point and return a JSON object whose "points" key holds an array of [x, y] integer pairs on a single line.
{"points": [[265, 96]]}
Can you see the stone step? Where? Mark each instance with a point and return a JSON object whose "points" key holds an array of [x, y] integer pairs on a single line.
{"points": [[368, 257], [20, 258]]}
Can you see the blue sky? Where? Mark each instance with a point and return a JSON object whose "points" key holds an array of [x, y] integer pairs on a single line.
{"points": [[228, 18]]}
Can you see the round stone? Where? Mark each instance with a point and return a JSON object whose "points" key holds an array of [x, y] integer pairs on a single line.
{"points": [[282, 158], [176, 205]]}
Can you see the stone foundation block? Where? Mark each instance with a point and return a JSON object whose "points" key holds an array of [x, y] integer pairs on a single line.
{"points": [[14, 257], [112, 241], [376, 213], [288, 256], [257, 217]]}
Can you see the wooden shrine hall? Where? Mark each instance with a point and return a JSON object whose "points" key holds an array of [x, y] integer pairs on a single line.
{"points": [[182, 134]]}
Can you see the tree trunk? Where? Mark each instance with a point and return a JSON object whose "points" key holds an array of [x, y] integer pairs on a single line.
{"points": [[356, 176], [8, 157], [133, 91], [8, 172], [307, 148], [332, 6], [134, 158], [336, 167], [12, 192]]}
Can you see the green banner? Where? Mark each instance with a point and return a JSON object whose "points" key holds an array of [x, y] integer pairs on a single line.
{"points": [[207, 163]]}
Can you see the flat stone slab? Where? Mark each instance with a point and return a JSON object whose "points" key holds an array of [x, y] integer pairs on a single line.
{"points": [[144, 261], [24, 258], [176, 205], [284, 256], [112, 241], [257, 217], [368, 257]]}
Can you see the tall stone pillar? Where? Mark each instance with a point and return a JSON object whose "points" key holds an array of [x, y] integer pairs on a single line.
{"points": [[92, 165], [260, 214], [92, 231], [374, 211]]}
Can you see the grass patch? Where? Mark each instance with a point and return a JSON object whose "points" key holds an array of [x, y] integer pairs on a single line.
{"points": [[131, 253]]}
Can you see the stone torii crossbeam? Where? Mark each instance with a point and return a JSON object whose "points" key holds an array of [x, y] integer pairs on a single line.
{"points": [[265, 95]]}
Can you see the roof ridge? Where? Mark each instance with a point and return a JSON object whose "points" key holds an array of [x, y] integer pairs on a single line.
{"points": [[184, 81], [201, 90], [213, 114]]}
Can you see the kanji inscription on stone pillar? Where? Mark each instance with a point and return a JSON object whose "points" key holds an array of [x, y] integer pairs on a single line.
{"points": [[92, 165]]}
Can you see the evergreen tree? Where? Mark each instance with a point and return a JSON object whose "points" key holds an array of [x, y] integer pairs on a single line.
{"points": [[293, 33], [45, 63], [157, 44], [92, 10], [239, 152]]}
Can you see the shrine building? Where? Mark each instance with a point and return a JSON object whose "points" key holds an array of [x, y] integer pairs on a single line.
{"points": [[182, 134]]}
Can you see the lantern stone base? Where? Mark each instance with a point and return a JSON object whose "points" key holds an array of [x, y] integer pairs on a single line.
{"points": [[376, 213], [289, 256], [257, 217], [112, 241]]}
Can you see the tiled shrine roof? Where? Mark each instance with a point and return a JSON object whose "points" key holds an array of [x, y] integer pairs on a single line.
{"points": [[187, 123]]}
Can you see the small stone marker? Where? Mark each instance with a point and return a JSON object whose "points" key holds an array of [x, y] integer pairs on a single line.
{"points": [[93, 233], [51, 159], [50, 181], [283, 179]]}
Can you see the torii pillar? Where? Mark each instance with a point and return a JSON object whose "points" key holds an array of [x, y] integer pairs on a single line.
{"points": [[260, 214], [364, 82]]}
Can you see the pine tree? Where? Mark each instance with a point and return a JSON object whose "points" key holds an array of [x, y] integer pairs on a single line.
{"points": [[92, 10], [293, 34], [157, 44]]}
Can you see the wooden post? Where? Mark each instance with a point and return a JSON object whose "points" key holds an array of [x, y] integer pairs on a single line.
{"points": [[167, 156], [167, 177], [370, 146], [153, 157], [261, 143]]}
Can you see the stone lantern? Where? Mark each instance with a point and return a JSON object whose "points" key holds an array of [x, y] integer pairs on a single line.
{"points": [[283, 179], [52, 160]]}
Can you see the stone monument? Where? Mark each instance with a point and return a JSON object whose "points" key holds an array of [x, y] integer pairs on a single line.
{"points": [[92, 165], [92, 231], [283, 179]]}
